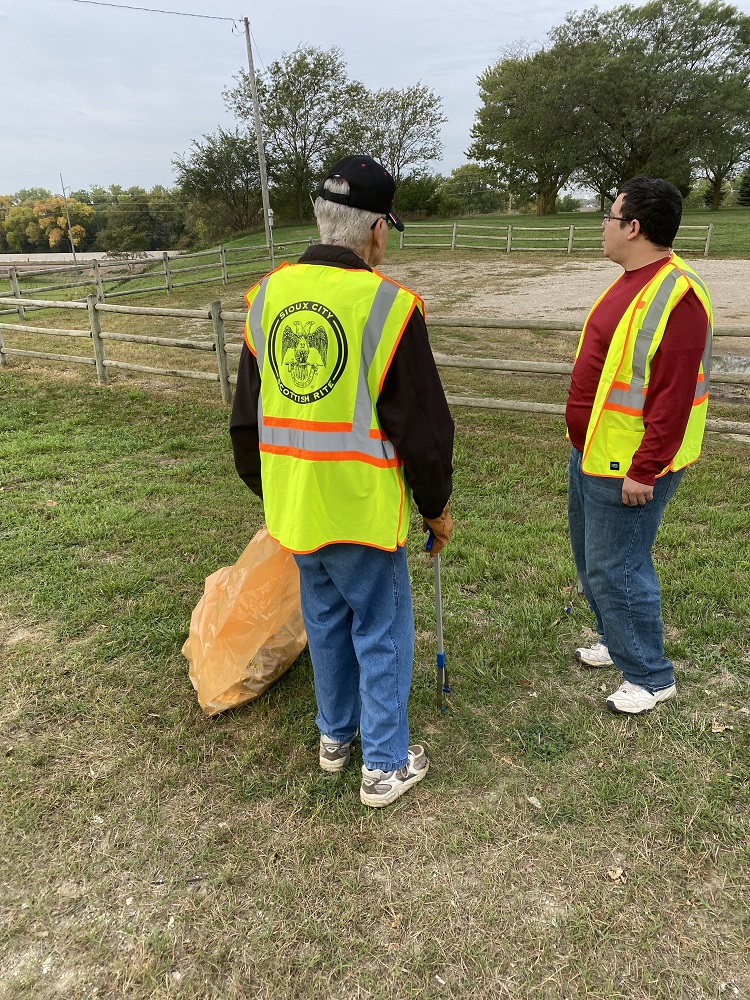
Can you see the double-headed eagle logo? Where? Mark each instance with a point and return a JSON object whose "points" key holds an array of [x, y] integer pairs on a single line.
{"points": [[309, 349]]}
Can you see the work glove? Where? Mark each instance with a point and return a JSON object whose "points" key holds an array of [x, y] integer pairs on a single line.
{"points": [[441, 528]]}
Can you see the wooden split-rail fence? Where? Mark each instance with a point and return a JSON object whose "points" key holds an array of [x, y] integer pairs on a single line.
{"points": [[222, 349]]}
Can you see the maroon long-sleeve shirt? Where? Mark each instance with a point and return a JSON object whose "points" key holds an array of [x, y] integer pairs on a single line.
{"points": [[674, 370]]}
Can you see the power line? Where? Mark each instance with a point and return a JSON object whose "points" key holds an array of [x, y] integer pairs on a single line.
{"points": [[154, 10]]}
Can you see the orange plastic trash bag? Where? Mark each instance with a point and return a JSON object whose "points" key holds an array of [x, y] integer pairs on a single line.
{"points": [[247, 629]]}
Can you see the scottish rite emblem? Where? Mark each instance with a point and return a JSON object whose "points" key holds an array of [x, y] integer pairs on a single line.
{"points": [[307, 351]]}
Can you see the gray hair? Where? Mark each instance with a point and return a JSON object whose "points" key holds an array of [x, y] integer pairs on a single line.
{"points": [[342, 224]]}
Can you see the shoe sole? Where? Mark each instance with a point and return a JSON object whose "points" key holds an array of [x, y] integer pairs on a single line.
{"points": [[377, 801], [624, 711], [332, 766], [592, 666]]}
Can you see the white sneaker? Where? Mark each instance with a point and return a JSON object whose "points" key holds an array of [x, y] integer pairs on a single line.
{"points": [[380, 788], [334, 756], [631, 699], [594, 656]]}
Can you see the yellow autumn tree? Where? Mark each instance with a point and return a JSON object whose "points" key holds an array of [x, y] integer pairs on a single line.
{"points": [[53, 221]]}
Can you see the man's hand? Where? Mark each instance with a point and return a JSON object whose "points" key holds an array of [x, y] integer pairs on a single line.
{"points": [[441, 529], [636, 494]]}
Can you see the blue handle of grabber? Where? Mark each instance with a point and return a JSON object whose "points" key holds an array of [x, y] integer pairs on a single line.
{"points": [[443, 687], [430, 538]]}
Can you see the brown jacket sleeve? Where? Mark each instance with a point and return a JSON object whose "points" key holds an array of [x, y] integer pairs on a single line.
{"points": [[414, 414]]}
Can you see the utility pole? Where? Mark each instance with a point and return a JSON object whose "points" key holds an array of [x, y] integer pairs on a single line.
{"points": [[67, 216], [259, 138]]}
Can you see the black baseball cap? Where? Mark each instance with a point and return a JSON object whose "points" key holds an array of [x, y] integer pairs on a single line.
{"points": [[371, 187]]}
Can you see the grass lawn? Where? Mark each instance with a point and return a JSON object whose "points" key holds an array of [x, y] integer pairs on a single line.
{"points": [[553, 851]]}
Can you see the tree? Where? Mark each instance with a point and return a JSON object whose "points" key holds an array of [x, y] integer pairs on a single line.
{"points": [[35, 226], [526, 128], [471, 188], [128, 226], [307, 107], [401, 128], [728, 145], [743, 195], [418, 196], [656, 89], [221, 175], [650, 83]]}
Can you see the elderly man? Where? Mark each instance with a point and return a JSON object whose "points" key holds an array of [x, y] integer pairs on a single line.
{"points": [[338, 420], [636, 414]]}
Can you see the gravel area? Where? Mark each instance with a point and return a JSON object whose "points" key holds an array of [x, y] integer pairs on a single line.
{"points": [[563, 290]]}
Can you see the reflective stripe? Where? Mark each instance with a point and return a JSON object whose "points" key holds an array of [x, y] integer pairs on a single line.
{"points": [[254, 321], [631, 399], [382, 304], [703, 385], [335, 442], [327, 455]]}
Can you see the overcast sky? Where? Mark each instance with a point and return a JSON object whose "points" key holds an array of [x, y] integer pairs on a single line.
{"points": [[111, 96]]}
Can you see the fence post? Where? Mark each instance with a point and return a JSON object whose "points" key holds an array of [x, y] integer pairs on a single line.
{"points": [[167, 271], [221, 355], [453, 237], [95, 327], [223, 256], [401, 240], [98, 279], [16, 291], [271, 256], [3, 359], [570, 238], [509, 244], [709, 234]]}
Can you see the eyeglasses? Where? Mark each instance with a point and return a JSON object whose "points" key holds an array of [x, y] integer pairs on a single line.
{"points": [[614, 218], [386, 219]]}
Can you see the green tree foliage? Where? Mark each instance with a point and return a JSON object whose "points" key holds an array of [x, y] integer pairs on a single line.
{"points": [[401, 128], [312, 114], [728, 145], [657, 89], [221, 177], [418, 195], [102, 219], [743, 194], [35, 226], [308, 109], [568, 203], [651, 83], [471, 188], [525, 127]]}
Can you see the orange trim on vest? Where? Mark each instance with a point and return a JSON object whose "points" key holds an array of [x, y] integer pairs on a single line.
{"points": [[307, 425], [395, 345], [700, 399], [331, 456], [377, 434], [626, 338], [623, 409]]}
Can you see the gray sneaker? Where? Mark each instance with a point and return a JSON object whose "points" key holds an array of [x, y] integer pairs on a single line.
{"points": [[380, 788], [632, 699], [594, 656], [334, 756]]}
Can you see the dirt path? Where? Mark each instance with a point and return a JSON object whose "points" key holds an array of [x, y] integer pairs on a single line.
{"points": [[562, 290]]}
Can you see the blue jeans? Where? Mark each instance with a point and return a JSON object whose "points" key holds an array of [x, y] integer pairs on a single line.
{"points": [[611, 545], [356, 602]]}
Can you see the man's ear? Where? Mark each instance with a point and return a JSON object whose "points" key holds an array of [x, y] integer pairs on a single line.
{"points": [[635, 229]]}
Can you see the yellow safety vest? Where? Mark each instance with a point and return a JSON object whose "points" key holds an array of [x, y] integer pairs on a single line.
{"points": [[616, 427], [324, 338]]}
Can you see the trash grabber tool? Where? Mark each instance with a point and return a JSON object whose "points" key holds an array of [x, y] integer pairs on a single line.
{"points": [[443, 687]]}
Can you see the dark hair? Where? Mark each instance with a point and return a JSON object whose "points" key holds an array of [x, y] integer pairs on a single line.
{"points": [[656, 204]]}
